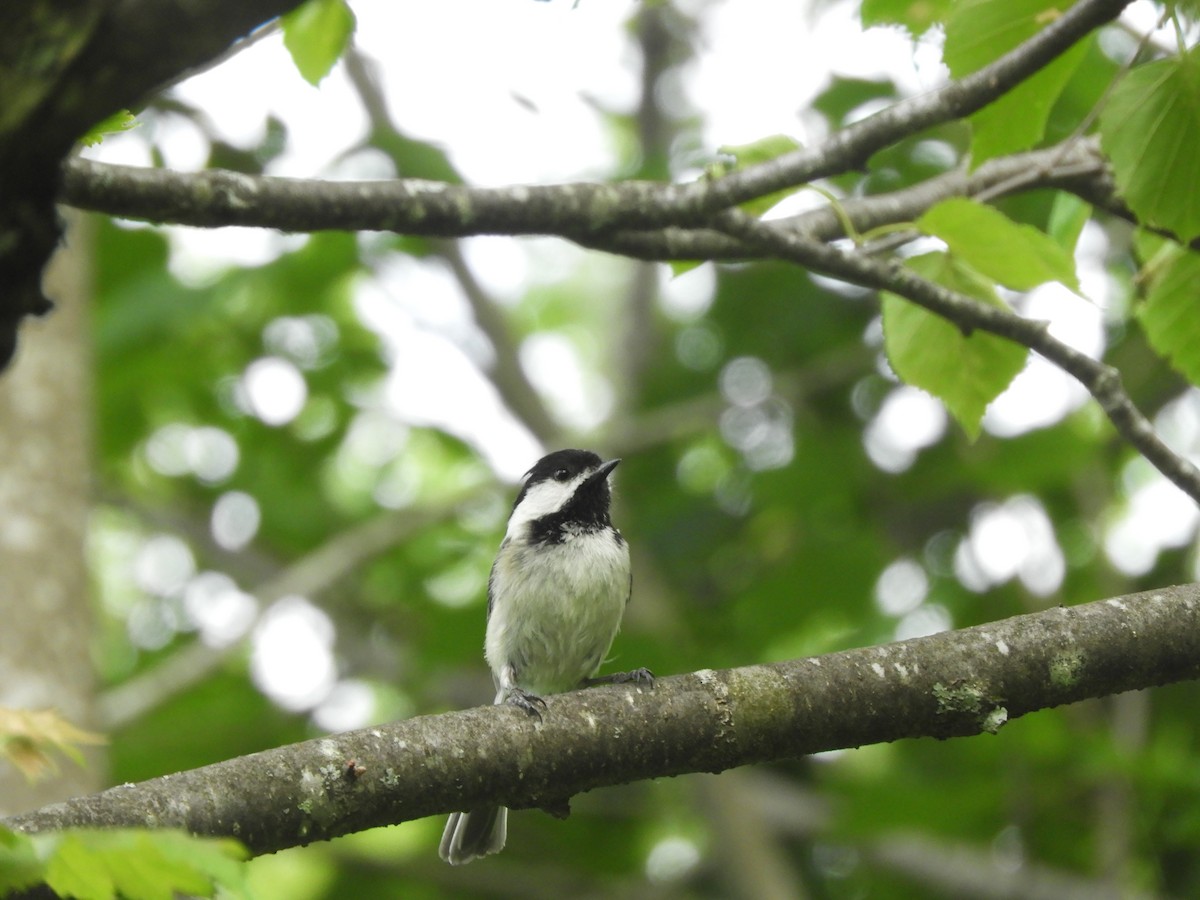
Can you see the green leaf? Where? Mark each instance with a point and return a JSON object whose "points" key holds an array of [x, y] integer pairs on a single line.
{"points": [[19, 863], [99, 864], [1017, 256], [929, 352], [844, 96], [417, 159], [1171, 313], [316, 34], [1068, 215], [1152, 251], [1150, 130], [915, 15], [78, 869], [121, 120], [979, 32]]}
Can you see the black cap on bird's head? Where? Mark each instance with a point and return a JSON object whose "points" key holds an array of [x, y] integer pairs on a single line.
{"points": [[565, 467], [566, 486], [562, 465]]}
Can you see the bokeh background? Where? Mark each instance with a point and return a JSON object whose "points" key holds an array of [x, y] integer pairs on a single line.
{"points": [[305, 448]]}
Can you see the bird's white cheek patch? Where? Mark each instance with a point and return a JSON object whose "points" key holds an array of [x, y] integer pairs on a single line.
{"points": [[541, 500]]}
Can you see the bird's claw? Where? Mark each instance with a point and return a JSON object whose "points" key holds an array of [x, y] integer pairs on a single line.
{"points": [[522, 699], [641, 676]]}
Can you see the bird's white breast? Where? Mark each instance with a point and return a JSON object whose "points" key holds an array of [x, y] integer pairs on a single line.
{"points": [[562, 608]]}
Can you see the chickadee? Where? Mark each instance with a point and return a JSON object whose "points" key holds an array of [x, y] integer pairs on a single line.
{"points": [[556, 595]]}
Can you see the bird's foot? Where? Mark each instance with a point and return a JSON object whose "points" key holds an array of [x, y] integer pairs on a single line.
{"points": [[522, 699]]}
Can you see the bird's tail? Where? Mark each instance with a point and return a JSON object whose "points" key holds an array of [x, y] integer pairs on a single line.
{"points": [[471, 835]]}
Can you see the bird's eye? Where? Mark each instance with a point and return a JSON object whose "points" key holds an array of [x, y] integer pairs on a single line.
{"points": [[561, 475]]}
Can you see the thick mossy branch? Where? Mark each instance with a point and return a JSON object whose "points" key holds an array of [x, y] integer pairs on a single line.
{"points": [[945, 685]]}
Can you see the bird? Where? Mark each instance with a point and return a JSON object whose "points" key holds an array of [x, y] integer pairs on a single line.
{"points": [[556, 594]]}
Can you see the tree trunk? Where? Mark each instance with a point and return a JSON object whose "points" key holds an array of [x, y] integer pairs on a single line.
{"points": [[45, 460]]}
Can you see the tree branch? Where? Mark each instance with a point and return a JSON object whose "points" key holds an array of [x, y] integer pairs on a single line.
{"points": [[1102, 381], [1074, 166], [854, 145], [92, 84], [438, 209], [944, 685], [215, 198]]}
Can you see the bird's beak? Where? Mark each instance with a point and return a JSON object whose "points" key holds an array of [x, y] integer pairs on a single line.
{"points": [[602, 471]]}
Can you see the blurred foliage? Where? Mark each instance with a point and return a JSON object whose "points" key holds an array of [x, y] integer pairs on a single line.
{"points": [[28, 736], [136, 864], [776, 522]]}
